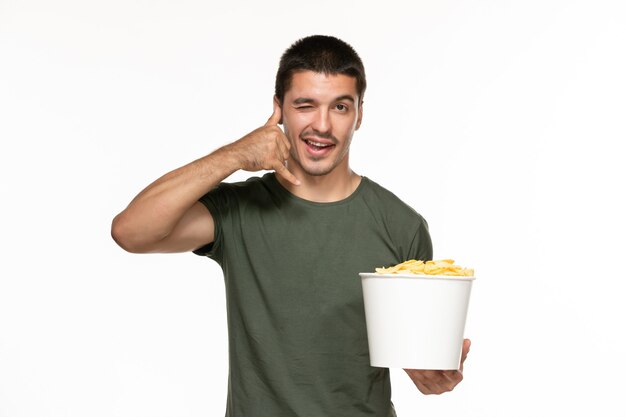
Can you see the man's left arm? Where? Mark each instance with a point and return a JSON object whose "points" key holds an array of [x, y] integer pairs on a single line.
{"points": [[437, 382]]}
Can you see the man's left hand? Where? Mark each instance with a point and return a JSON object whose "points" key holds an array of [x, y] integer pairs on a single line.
{"points": [[438, 382]]}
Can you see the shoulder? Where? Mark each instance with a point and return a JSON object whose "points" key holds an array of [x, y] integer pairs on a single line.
{"points": [[239, 189], [232, 197], [390, 205], [245, 185], [401, 224]]}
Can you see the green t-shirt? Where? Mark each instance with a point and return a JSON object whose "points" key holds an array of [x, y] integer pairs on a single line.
{"points": [[296, 322]]}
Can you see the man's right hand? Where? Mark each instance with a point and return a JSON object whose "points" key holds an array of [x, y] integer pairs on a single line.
{"points": [[167, 216], [266, 148]]}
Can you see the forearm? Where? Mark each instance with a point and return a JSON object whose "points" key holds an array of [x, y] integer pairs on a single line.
{"points": [[152, 220], [154, 212]]}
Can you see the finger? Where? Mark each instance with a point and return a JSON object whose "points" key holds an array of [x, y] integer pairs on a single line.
{"points": [[466, 348], [285, 173], [453, 374], [454, 378], [417, 381], [275, 117], [283, 149], [441, 381], [421, 381], [285, 140], [423, 388], [435, 379]]}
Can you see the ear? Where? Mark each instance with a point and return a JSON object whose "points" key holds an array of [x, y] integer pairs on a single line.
{"points": [[360, 117], [277, 103]]}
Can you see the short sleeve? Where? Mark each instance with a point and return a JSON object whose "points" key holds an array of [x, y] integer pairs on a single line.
{"points": [[421, 247], [220, 203]]}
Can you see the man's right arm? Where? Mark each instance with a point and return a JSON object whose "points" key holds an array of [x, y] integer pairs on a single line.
{"points": [[166, 216]]}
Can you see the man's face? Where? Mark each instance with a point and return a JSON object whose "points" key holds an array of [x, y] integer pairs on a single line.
{"points": [[320, 114]]}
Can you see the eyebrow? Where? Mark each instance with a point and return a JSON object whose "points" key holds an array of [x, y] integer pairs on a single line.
{"points": [[306, 100]]}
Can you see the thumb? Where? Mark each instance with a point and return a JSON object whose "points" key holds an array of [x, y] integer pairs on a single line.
{"points": [[276, 116], [466, 348]]}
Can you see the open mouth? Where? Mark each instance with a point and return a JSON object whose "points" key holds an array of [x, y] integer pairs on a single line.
{"points": [[318, 148]]}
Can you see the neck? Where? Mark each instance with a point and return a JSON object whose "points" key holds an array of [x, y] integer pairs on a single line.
{"points": [[338, 184]]}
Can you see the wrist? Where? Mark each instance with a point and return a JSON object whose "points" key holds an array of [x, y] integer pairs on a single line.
{"points": [[217, 165], [231, 157]]}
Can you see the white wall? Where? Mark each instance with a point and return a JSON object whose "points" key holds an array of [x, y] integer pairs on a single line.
{"points": [[499, 121]]}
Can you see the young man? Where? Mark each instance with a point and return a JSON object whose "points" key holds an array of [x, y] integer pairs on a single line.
{"points": [[291, 244]]}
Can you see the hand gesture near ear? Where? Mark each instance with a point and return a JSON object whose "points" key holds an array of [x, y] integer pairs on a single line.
{"points": [[265, 148], [167, 217]]}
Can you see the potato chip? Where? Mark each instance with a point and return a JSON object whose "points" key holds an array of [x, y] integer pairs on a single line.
{"points": [[441, 267]]}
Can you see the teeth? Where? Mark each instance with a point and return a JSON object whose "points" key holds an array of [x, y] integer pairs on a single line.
{"points": [[321, 145]]}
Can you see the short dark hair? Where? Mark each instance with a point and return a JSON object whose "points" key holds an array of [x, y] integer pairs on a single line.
{"points": [[321, 54]]}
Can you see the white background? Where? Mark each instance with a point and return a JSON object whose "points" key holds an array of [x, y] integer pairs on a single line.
{"points": [[499, 121]]}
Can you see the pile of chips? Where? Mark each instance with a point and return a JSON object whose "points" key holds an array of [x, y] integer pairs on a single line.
{"points": [[442, 267]]}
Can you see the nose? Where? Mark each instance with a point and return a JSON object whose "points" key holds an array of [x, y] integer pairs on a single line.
{"points": [[322, 122]]}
